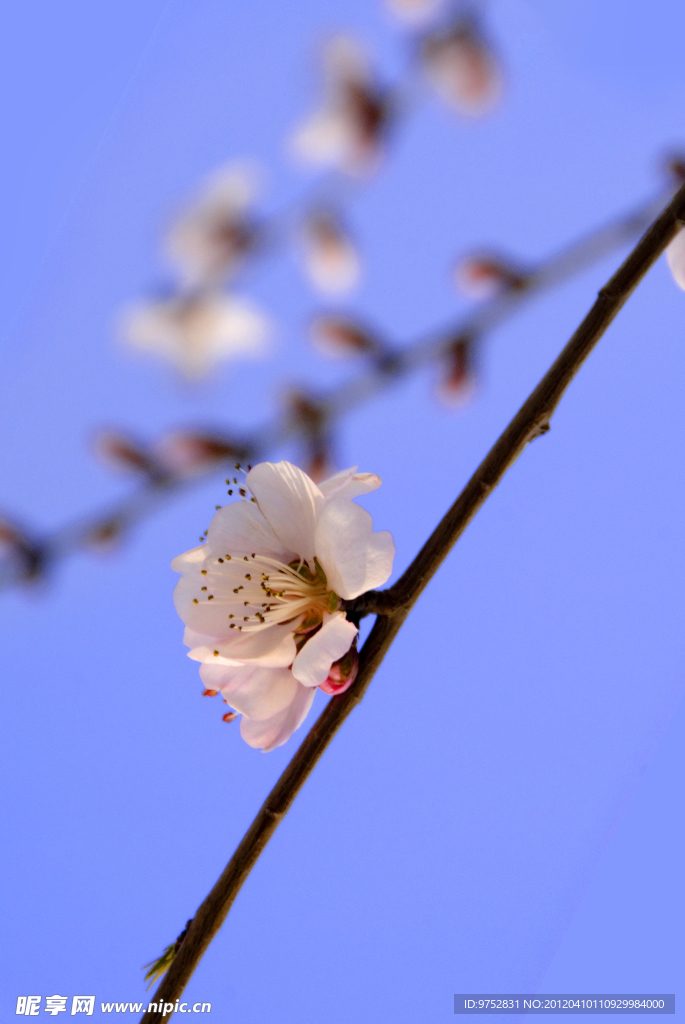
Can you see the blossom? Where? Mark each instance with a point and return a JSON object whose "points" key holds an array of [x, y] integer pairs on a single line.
{"points": [[196, 331], [214, 236], [675, 254], [331, 258], [348, 131], [463, 68], [261, 599]]}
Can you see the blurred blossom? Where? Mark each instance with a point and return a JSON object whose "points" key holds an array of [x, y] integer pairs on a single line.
{"points": [[463, 68], [261, 599], [196, 332], [414, 11], [340, 337], [675, 254], [483, 276], [348, 131], [215, 235], [458, 380], [331, 259]]}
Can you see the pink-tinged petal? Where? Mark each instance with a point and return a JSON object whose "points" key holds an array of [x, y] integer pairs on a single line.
{"points": [[353, 557], [240, 528], [259, 693], [675, 254], [334, 639], [270, 733], [290, 502], [189, 560], [271, 648], [349, 484]]}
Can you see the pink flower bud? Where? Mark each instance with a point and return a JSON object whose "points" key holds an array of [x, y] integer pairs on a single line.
{"points": [[122, 452], [230, 716], [458, 381], [342, 673], [463, 68], [187, 452], [338, 336], [330, 256], [483, 276]]}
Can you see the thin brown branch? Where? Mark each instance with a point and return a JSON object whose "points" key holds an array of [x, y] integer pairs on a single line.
{"points": [[531, 421], [374, 379]]}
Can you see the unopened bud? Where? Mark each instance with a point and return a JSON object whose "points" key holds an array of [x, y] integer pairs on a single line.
{"points": [[675, 168], [458, 380], [122, 452], [230, 716], [338, 336], [330, 256], [209, 693], [320, 465], [483, 276], [463, 68], [186, 452], [103, 536], [342, 673]]}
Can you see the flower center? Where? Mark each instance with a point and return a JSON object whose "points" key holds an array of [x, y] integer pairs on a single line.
{"points": [[259, 591]]}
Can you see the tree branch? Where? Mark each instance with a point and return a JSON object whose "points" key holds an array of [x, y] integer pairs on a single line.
{"points": [[115, 520], [532, 419]]}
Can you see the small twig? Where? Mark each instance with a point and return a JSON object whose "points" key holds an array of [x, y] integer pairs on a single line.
{"points": [[531, 420]]}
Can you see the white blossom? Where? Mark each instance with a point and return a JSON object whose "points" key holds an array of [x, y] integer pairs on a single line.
{"points": [[348, 131], [675, 254], [214, 236], [195, 332], [261, 598]]}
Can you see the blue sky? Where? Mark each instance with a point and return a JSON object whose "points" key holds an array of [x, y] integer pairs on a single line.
{"points": [[504, 810]]}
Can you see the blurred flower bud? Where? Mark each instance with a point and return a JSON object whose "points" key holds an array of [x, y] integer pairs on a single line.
{"points": [[414, 12], [675, 254], [339, 336], [120, 451], [482, 276], [674, 165], [215, 236], [195, 332], [342, 673], [463, 68], [349, 130], [320, 464], [330, 256], [186, 452], [104, 536], [22, 556], [458, 380]]}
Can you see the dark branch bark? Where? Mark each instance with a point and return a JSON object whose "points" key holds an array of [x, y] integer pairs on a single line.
{"points": [[530, 422]]}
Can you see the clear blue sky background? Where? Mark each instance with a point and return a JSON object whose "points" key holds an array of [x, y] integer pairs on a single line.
{"points": [[504, 811]]}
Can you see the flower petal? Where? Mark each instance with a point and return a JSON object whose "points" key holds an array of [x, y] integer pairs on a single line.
{"points": [[189, 560], [271, 648], [259, 693], [353, 557], [313, 663], [240, 528], [290, 502], [272, 732], [349, 484]]}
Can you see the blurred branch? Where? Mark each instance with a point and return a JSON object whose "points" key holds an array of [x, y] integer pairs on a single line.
{"points": [[385, 369], [531, 421]]}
